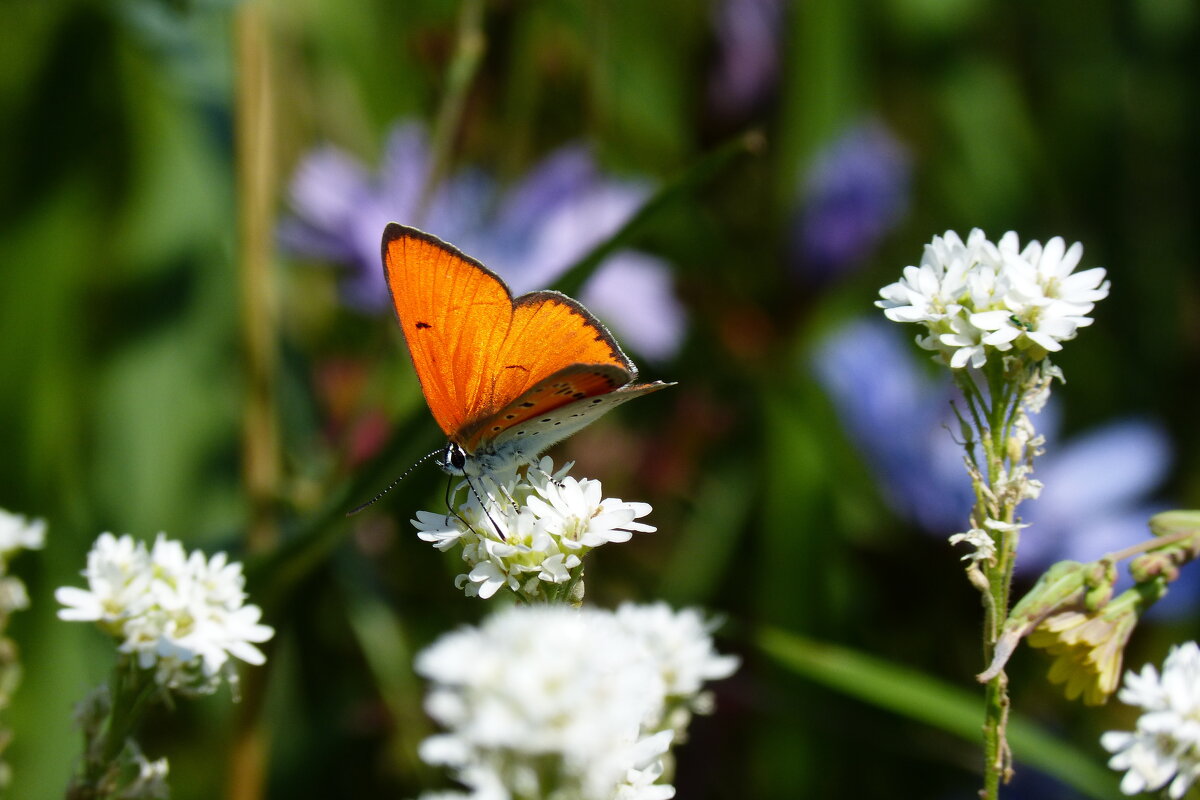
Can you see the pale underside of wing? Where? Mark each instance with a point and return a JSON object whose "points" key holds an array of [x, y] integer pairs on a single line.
{"points": [[568, 385], [524, 441], [475, 349]]}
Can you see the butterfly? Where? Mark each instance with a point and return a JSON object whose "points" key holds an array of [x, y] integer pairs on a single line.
{"points": [[504, 377]]}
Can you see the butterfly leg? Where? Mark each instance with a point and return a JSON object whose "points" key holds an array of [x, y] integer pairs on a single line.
{"points": [[487, 512], [450, 492], [507, 497]]}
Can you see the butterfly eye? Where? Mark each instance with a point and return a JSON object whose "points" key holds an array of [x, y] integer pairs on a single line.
{"points": [[458, 457]]}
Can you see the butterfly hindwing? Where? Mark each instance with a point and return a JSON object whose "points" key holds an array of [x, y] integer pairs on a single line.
{"points": [[576, 382], [550, 419]]}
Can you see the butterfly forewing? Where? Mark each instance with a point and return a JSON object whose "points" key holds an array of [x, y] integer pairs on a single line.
{"points": [[454, 314]]}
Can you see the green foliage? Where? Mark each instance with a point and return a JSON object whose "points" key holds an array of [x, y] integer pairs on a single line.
{"points": [[124, 376]]}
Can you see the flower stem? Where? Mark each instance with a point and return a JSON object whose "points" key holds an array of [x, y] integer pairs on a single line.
{"points": [[1149, 545], [260, 439], [994, 421], [468, 52], [130, 692]]}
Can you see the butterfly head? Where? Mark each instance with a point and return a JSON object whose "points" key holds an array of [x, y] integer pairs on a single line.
{"points": [[453, 459], [487, 460]]}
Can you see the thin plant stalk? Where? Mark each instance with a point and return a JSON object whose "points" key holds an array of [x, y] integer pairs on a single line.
{"points": [[469, 47], [260, 445], [992, 413]]}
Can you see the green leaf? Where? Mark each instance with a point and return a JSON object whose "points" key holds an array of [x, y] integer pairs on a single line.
{"points": [[384, 641], [926, 699]]}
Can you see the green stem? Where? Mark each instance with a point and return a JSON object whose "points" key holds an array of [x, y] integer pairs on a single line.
{"points": [[569, 591], [975, 406], [131, 690], [1156, 543], [1000, 415], [468, 52], [254, 140]]}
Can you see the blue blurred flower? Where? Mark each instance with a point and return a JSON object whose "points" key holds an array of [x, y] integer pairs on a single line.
{"points": [[853, 193], [1096, 491], [897, 417], [748, 54], [529, 234]]}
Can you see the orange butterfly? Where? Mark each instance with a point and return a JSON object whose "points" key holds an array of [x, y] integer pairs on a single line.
{"points": [[504, 378]]}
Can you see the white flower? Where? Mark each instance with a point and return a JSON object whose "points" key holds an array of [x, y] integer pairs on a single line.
{"points": [[977, 298], [16, 533], [981, 540], [523, 530], [13, 596], [933, 291], [681, 642], [151, 780], [19, 533], [181, 614], [682, 646], [573, 512], [964, 342], [552, 701], [1165, 748]]}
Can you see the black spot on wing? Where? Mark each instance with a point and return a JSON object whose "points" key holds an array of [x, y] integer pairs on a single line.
{"points": [[423, 325], [516, 366]]}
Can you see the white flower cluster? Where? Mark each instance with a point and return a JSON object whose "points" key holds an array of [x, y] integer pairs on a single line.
{"points": [[19, 533], [976, 297], [184, 615], [16, 534], [574, 704], [523, 530], [1165, 748]]}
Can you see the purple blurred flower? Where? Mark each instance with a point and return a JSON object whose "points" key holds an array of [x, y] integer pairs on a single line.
{"points": [[529, 234], [853, 193], [1096, 485], [748, 33]]}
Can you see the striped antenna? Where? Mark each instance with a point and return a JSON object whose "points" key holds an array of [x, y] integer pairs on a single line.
{"points": [[393, 484]]}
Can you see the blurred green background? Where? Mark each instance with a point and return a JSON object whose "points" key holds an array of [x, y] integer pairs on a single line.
{"points": [[130, 384]]}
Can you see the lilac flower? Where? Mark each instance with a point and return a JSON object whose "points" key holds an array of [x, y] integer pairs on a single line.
{"points": [[529, 234], [1096, 485], [748, 54], [853, 193]]}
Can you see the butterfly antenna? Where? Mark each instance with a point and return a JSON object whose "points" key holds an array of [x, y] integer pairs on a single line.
{"points": [[393, 484]]}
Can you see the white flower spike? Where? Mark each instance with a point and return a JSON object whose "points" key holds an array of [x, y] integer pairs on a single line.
{"points": [[977, 299], [181, 614], [553, 701], [1164, 750], [529, 531]]}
